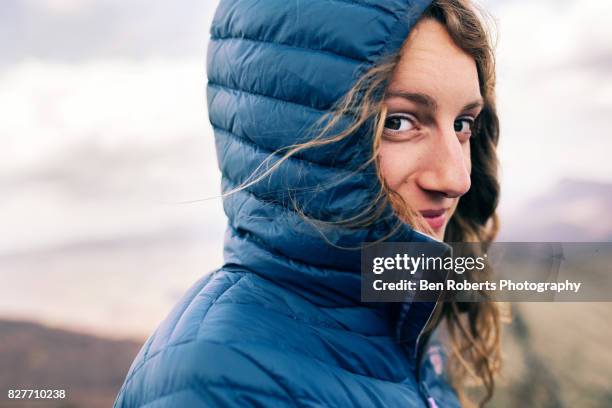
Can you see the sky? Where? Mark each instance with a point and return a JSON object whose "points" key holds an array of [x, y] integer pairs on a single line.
{"points": [[554, 94], [108, 173]]}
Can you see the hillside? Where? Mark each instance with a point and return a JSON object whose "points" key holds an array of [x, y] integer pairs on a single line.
{"points": [[90, 368]]}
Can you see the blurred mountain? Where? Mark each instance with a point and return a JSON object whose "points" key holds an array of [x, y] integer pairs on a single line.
{"points": [[573, 210], [91, 369]]}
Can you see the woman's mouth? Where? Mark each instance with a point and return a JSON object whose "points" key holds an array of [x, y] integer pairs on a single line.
{"points": [[435, 218]]}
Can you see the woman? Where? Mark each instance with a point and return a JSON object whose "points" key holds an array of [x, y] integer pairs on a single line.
{"points": [[337, 123]]}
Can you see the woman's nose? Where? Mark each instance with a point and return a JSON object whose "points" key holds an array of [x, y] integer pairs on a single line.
{"points": [[447, 169]]}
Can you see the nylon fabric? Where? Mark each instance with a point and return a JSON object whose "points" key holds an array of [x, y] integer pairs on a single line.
{"points": [[281, 323]]}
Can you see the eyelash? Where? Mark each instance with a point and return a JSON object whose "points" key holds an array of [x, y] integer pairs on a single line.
{"points": [[471, 120], [404, 116], [468, 119]]}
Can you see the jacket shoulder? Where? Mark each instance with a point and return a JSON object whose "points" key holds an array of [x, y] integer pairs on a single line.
{"points": [[191, 357]]}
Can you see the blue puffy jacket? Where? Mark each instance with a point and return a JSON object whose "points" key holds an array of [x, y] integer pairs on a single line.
{"points": [[281, 323]]}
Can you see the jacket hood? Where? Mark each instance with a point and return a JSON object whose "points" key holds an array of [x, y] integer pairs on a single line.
{"points": [[274, 68]]}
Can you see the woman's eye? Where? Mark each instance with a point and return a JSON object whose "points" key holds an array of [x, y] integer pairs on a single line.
{"points": [[399, 123], [463, 125]]}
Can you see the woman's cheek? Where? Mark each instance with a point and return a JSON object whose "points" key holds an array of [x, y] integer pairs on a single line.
{"points": [[386, 166], [395, 164]]}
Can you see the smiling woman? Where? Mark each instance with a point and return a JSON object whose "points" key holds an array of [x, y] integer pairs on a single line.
{"points": [[330, 137]]}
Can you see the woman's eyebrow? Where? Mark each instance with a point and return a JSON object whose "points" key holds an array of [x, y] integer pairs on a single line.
{"points": [[418, 98], [429, 102], [479, 103]]}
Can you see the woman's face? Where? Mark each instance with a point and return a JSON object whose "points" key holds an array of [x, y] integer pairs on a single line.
{"points": [[432, 102]]}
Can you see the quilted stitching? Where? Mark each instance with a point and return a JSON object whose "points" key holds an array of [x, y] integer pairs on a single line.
{"points": [[282, 323]]}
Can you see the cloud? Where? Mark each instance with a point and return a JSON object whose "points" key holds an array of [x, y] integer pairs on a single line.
{"points": [[104, 148], [72, 31], [112, 102]]}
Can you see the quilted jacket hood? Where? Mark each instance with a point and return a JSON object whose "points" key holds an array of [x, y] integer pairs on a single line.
{"points": [[274, 68]]}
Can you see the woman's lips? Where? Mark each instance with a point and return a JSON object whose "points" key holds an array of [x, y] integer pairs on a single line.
{"points": [[435, 218]]}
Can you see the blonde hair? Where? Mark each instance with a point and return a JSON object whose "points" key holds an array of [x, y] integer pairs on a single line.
{"points": [[473, 328]]}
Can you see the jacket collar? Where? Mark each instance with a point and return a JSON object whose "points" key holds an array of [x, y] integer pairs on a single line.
{"points": [[292, 253]]}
